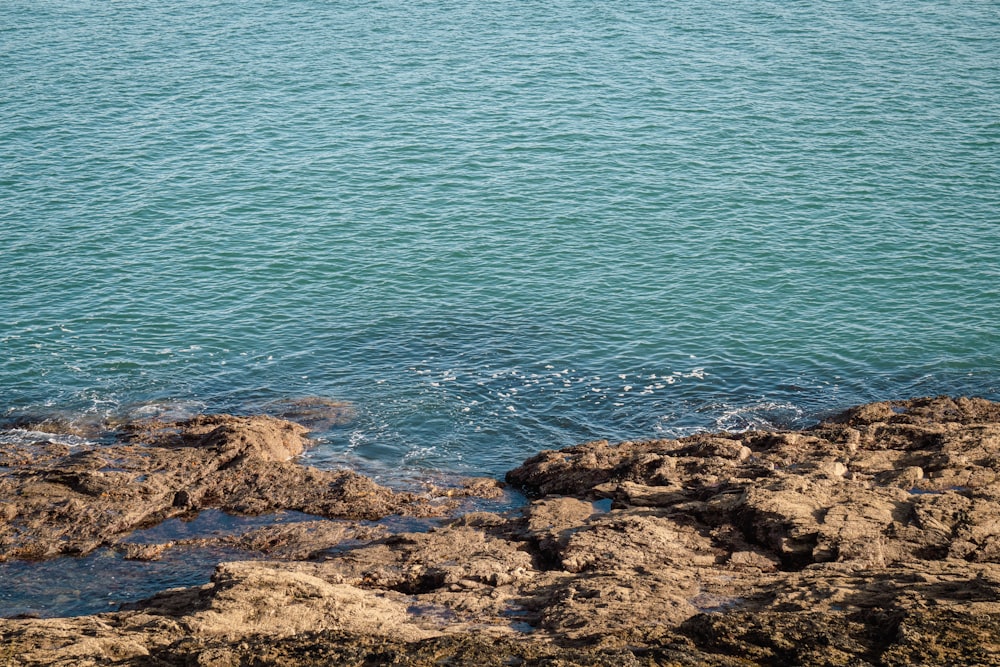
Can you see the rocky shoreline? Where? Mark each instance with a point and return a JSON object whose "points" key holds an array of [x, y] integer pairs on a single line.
{"points": [[872, 538]]}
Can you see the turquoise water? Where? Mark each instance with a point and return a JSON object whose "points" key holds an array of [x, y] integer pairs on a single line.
{"points": [[496, 227]]}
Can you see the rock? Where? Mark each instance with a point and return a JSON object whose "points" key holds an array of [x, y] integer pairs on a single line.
{"points": [[57, 423], [75, 500], [636, 540], [644, 495], [871, 539], [481, 487], [257, 599], [904, 478], [473, 487], [259, 437], [552, 521], [146, 551]]}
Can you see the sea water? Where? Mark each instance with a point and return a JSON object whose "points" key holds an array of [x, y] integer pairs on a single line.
{"points": [[497, 227]]}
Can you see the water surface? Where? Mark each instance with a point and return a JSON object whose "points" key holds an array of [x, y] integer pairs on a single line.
{"points": [[496, 227]]}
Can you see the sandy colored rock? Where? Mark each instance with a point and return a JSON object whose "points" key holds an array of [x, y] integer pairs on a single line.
{"points": [[73, 500], [255, 599], [820, 547], [637, 539]]}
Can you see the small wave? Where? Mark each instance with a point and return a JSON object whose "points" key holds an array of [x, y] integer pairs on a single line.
{"points": [[165, 410], [21, 436], [764, 415]]}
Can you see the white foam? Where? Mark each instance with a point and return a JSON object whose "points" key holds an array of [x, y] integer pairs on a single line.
{"points": [[21, 436], [753, 416]]}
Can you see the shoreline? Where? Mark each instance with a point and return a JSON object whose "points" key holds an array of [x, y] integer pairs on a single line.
{"points": [[870, 538]]}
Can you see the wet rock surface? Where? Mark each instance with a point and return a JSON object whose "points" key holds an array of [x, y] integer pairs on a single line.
{"points": [[57, 500], [870, 539]]}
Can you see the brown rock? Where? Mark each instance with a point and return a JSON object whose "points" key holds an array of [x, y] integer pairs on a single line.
{"points": [[93, 495], [872, 539]]}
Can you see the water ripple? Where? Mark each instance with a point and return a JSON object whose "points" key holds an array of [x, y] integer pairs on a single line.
{"points": [[420, 207]]}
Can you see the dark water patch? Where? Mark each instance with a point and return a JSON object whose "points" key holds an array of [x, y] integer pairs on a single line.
{"points": [[101, 581], [603, 506], [211, 523], [520, 620], [407, 524], [317, 413], [509, 498], [963, 490]]}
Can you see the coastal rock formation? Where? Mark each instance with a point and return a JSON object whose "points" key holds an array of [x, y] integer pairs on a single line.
{"points": [[56, 499], [316, 413], [870, 539]]}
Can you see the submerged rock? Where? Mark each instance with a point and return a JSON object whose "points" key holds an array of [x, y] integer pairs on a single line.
{"points": [[317, 413], [819, 547]]}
